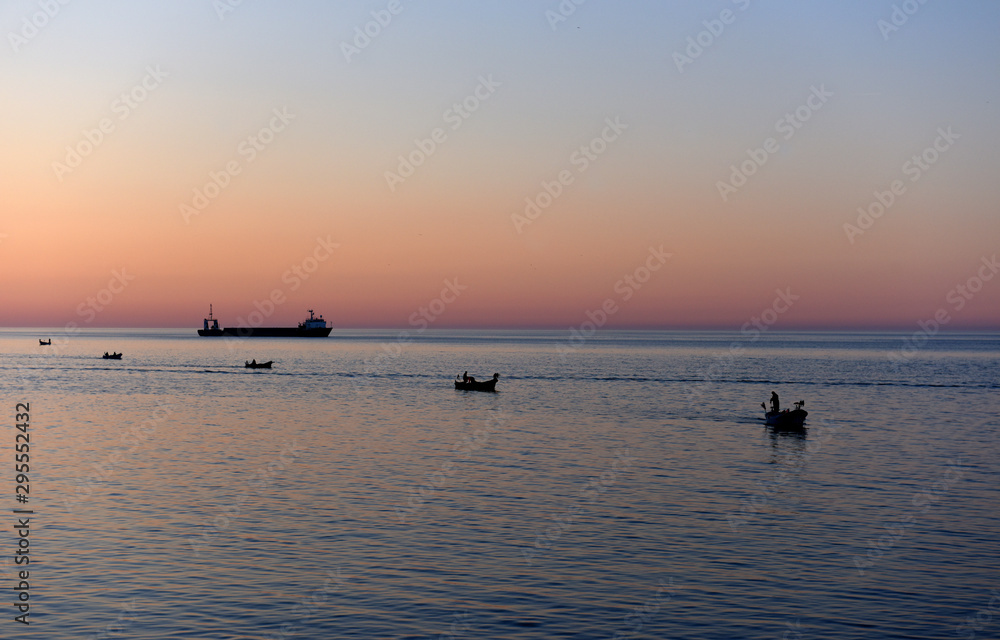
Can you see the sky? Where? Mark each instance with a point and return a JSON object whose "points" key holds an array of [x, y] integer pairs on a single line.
{"points": [[444, 164]]}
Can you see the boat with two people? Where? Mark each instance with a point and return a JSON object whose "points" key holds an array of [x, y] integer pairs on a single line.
{"points": [[786, 419], [112, 356], [253, 364], [465, 382]]}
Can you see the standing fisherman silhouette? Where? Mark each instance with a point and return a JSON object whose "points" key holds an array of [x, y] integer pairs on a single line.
{"points": [[775, 404]]}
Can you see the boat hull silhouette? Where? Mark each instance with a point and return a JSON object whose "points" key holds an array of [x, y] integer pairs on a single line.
{"points": [[267, 332], [786, 419], [311, 327], [487, 385]]}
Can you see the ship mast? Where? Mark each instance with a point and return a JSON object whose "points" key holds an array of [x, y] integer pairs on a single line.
{"points": [[210, 322]]}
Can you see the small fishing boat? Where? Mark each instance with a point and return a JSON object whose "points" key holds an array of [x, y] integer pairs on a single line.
{"points": [[472, 384], [44, 342], [258, 365], [786, 419], [112, 356]]}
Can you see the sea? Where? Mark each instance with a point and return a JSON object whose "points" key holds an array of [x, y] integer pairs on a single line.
{"points": [[617, 485]]}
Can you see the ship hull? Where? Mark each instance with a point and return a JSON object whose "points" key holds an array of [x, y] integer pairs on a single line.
{"points": [[267, 332]]}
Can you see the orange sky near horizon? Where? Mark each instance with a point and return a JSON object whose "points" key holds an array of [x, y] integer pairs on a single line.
{"points": [[655, 182]]}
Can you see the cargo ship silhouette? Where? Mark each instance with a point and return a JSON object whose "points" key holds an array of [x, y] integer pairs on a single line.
{"points": [[311, 327]]}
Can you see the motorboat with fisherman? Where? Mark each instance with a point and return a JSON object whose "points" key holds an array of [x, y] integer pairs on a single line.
{"points": [[112, 356], [465, 382], [794, 419], [45, 342], [253, 364]]}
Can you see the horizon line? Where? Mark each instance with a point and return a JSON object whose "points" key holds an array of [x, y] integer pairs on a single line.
{"points": [[642, 328]]}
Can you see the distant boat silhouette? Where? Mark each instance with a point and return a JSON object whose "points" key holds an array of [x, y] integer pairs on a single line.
{"points": [[44, 342], [112, 356], [258, 365], [471, 384]]}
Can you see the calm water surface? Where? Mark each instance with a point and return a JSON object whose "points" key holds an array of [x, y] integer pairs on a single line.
{"points": [[626, 488]]}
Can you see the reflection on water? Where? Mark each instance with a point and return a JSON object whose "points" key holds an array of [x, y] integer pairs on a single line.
{"points": [[343, 494], [788, 439]]}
